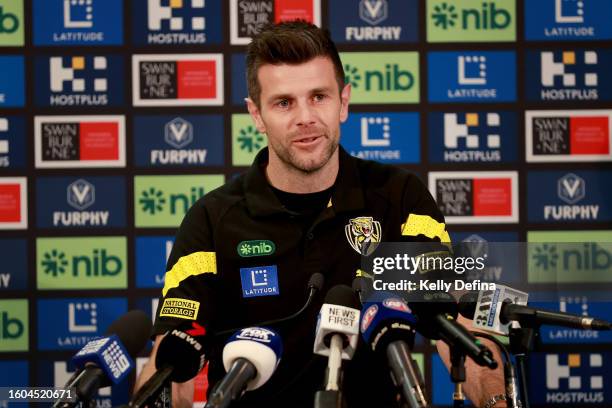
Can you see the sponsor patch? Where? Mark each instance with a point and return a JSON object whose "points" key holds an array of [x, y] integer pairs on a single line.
{"points": [[177, 80], [259, 281], [363, 234], [257, 247], [180, 308]]}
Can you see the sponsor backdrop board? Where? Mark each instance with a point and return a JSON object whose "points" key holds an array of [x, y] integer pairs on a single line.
{"points": [[116, 116]]}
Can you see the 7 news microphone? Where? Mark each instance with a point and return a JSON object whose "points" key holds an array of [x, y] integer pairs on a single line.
{"points": [[250, 357], [336, 338], [388, 328], [106, 361], [179, 358]]}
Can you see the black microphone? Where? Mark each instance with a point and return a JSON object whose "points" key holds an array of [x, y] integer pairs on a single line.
{"points": [[436, 312], [179, 358], [531, 317], [362, 286]]}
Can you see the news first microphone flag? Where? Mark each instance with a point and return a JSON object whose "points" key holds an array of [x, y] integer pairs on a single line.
{"points": [[102, 152]]}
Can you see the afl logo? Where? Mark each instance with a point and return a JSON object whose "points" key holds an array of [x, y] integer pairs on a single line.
{"points": [[396, 304], [368, 316]]}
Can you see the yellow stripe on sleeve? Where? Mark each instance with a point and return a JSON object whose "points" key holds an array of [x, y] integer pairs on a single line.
{"points": [[425, 225], [190, 265]]}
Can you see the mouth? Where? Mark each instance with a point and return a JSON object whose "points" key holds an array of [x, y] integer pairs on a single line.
{"points": [[303, 141]]}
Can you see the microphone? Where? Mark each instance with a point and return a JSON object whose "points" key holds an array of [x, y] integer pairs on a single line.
{"points": [[336, 337], [492, 309], [436, 312], [179, 358], [107, 360], [387, 327], [362, 287], [250, 357], [315, 283]]}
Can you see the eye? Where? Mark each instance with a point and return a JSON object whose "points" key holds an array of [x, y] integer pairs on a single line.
{"points": [[319, 97], [283, 103]]}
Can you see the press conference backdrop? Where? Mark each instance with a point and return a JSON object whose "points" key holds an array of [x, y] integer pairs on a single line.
{"points": [[116, 116]]}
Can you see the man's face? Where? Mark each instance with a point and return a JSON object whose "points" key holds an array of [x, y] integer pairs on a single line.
{"points": [[300, 112]]}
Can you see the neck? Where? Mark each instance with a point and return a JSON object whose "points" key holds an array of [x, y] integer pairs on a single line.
{"points": [[287, 178]]}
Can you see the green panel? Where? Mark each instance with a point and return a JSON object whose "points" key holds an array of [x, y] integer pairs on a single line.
{"points": [[471, 20], [569, 256], [382, 77], [14, 325], [81, 263], [163, 201], [246, 140], [11, 23]]}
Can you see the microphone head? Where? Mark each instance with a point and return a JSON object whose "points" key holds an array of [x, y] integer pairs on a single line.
{"points": [[361, 285], [339, 315], [385, 321], [133, 329], [261, 346], [183, 351], [316, 281], [467, 304], [108, 354], [427, 305]]}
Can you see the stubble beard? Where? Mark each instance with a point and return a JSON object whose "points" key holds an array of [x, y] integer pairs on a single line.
{"points": [[307, 165]]}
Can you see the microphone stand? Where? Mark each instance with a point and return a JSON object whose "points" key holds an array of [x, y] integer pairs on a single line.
{"points": [[457, 372], [331, 397], [522, 341]]}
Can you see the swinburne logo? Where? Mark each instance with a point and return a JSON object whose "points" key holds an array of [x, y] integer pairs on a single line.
{"points": [[79, 141], [576, 135], [13, 203], [475, 197], [177, 80]]}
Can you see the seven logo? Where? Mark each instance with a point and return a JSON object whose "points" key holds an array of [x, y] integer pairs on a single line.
{"points": [[474, 197], [576, 135]]}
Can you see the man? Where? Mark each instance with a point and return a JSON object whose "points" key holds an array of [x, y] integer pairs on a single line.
{"points": [[307, 206]]}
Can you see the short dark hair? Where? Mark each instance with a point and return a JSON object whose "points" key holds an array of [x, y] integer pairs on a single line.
{"points": [[292, 42]]}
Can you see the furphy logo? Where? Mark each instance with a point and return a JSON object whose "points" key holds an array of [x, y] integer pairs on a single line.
{"points": [[246, 140], [580, 196], [186, 140], [374, 21], [471, 20], [568, 20], [14, 325], [476, 197], [152, 254], [81, 263], [11, 23], [163, 201], [569, 135], [14, 272], [177, 79], [79, 81], [575, 75], [472, 137], [384, 136], [13, 203], [176, 21], [78, 22], [569, 256], [259, 281], [80, 202], [572, 379], [382, 77], [79, 141], [484, 76], [12, 81], [12, 142], [247, 17], [68, 324]]}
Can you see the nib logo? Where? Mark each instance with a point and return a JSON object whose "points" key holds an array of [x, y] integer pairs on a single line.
{"points": [[487, 17], [54, 263], [571, 188], [250, 139], [390, 78], [178, 133], [352, 75], [546, 256], [81, 194], [152, 201], [445, 15]]}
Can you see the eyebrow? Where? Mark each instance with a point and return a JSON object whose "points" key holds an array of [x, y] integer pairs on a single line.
{"points": [[289, 96]]}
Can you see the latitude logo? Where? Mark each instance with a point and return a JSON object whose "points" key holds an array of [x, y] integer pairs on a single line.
{"points": [[81, 194], [472, 69], [178, 133], [373, 12], [78, 13]]}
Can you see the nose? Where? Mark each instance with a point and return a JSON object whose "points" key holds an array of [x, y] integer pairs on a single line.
{"points": [[305, 115]]}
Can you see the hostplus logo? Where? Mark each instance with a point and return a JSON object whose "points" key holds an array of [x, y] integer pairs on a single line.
{"points": [[373, 12], [154, 201], [178, 133], [471, 20], [571, 189], [469, 133], [78, 81], [567, 73], [80, 195], [575, 381], [171, 18]]}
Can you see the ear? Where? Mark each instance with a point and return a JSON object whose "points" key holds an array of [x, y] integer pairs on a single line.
{"points": [[345, 96], [255, 115]]}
